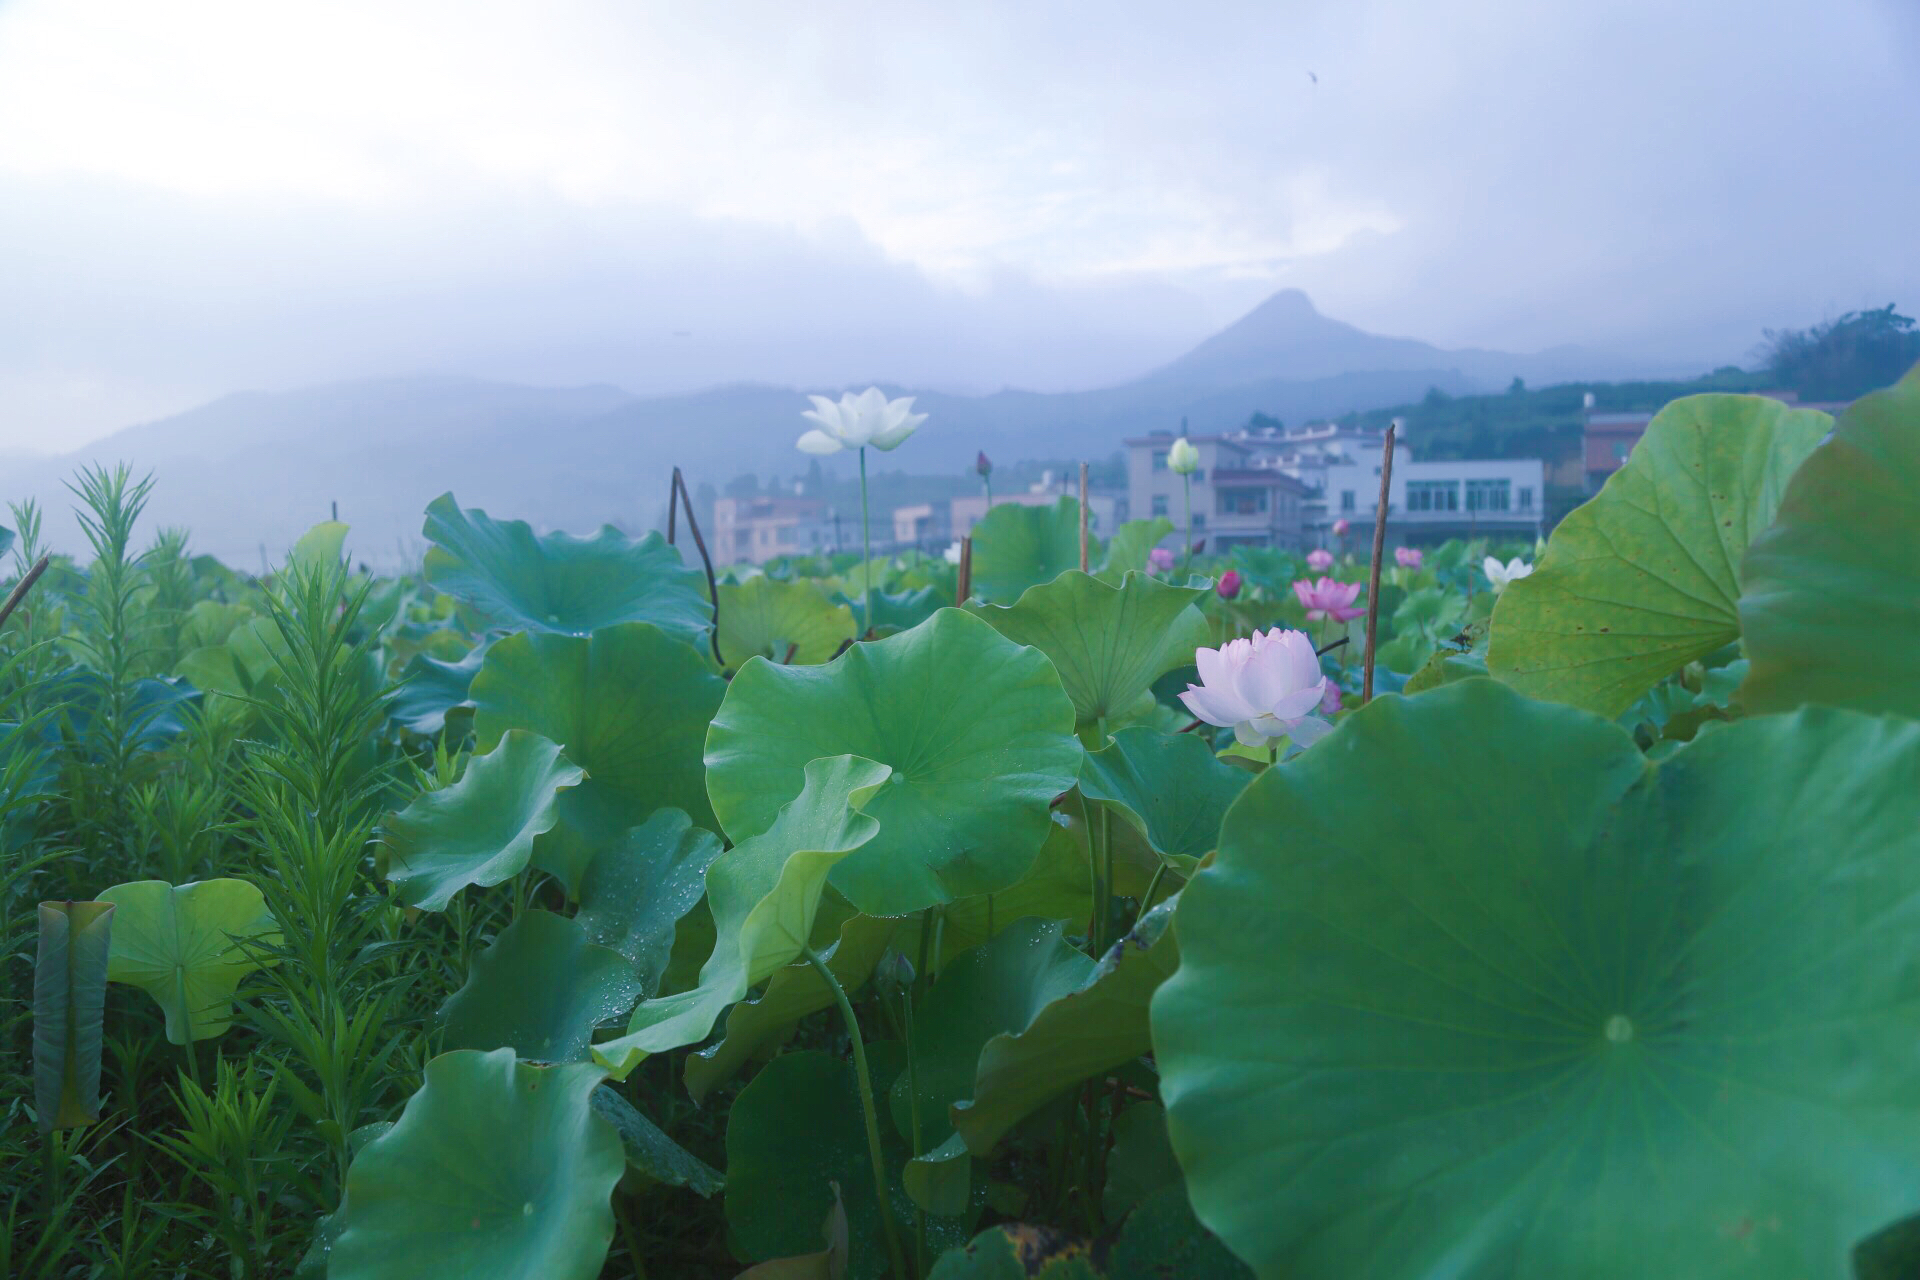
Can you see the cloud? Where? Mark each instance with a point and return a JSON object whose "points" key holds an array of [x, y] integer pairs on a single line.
{"points": [[215, 193]]}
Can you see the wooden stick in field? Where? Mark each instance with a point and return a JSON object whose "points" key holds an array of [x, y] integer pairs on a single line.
{"points": [[21, 588], [1379, 545], [965, 588], [1083, 517]]}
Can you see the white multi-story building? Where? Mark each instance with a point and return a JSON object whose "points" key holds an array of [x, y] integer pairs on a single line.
{"points": [[1315, 475], [1239, 497]]}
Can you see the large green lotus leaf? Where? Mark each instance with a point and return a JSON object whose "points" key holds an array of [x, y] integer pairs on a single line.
{"points": [[781, 621], [321, 546], [1645, 578], [1140, 1160], [1016, 547], [1555, 1010], [1131, 546], [540, 990], [1832, 606], [765, 893], [495, 1168], [1109, 643], [480, 829], [559, 582], [993, 990], [795, 1131], [1170, 787], [188, 947], [1058, 886], [634, 893], [1094, 1027], [69, 1006], [430, 688], [755, 1026], [896, 611], [629, 704], [976, 729], [651, 1152]]}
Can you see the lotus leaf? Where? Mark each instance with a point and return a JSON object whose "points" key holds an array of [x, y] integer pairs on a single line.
{"points": [[1832, 608], [1556, 1010], [781, 621], [1016, 547], [629, 704], [652, 1153], [558, 582], [1645, 578], [188, 947], [976, 729], [765, 892], [480, 829], [1169, 787], [635, 892], [540, 990], [496, 1168], [1109, 643], [69, 1005], [1094, 1026], [753, 1026], [794, 1132]]}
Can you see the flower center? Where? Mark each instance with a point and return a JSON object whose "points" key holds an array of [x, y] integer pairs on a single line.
{"points": [[1619, 1029]]}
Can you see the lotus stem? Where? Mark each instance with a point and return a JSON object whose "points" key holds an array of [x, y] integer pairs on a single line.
{"points": [[1153, 887], [866, 544], [895, 1255], [1373, 579], [1186, 492]]}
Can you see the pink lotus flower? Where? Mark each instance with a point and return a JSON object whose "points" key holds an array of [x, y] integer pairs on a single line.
{"points": [[1340, 527], [1229, 584], [1408, 557], [1320, 560], [1330, 701], [1160, 560], [1264, 688], [1328, 599]]}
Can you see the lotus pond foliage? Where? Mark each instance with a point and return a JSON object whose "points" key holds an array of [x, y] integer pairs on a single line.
{"points": [[574, 908]]}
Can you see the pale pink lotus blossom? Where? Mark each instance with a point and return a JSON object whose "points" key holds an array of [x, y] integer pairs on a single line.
{"points": [[1265, 687], [1408, 557], [1328, 599], [1330, 702], [1229, 584], [1340, 527], [1160, 560], [1319, 560]]}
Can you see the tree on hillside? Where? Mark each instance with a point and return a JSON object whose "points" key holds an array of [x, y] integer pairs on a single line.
{"points": [[1845, 358]]}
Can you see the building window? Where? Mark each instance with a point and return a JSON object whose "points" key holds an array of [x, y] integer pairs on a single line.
{"points": [[1433, 495], [1199, 519], [1487, 495], [1199, 475], [1159, 459], [1240, 502], [1346, 499], [1159, 504], [1526, 497]]}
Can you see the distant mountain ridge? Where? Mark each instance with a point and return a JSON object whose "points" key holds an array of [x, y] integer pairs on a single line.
{"points": [[249, 472]]}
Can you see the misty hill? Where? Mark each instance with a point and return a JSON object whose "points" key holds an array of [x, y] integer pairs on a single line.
{"points": [[1286, 338], [249, 472]]}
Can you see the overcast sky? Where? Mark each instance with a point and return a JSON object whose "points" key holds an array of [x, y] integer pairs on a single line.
{"points": [[201, 196]]}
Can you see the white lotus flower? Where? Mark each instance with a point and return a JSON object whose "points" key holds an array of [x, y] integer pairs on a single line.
{"points": [[859, 420], [953, 553], [1266, 687], [1502, 574], [1183, 459]]}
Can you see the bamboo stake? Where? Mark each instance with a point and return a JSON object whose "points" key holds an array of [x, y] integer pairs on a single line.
{"points": [[1083, 517], [21, 588], [965, 588], [1373, 581]]}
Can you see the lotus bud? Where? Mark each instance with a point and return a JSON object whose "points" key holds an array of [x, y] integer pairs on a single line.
{"points": [[1229, 584], [1183, 459]]}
